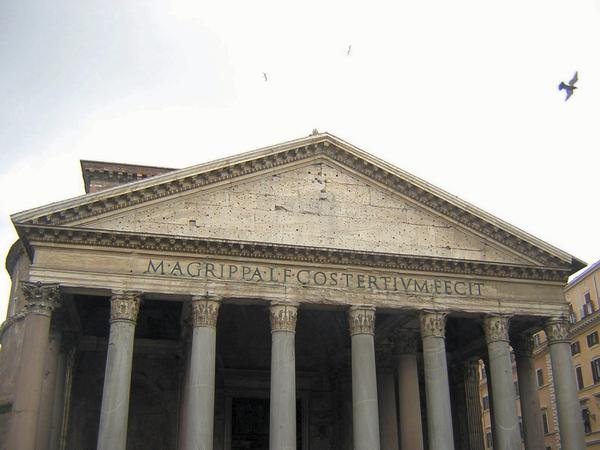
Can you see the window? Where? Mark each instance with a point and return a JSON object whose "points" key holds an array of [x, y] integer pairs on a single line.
{"points": [[575, 348], [579, 377], [587, 423], [545, 422], [592, 339], [486, 403], [483, 373], [572, 316], [596, 370], [517, 389], [588, 307], [536, 340], [540, 377]]}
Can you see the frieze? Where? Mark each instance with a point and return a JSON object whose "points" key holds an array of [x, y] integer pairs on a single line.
{"points": [[283, 317], [158, 243], [322, 148], [41, 298], [362, 320], [310, 276], [124, 306]]}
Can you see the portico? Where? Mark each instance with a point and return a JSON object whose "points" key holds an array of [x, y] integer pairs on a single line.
{"points": [[304, 296]]}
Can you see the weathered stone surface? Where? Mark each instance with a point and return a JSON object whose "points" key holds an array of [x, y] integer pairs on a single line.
{"points": [[296, 206]]}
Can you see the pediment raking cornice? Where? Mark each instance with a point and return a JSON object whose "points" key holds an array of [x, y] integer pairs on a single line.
{"points": [[325, 146]]}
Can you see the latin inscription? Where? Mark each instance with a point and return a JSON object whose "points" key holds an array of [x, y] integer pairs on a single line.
{"points": [[206, 270]]}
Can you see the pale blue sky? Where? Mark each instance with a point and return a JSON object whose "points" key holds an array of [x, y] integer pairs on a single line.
{"points": [[463, 94]]}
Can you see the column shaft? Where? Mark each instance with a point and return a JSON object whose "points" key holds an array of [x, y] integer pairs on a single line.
{"points": [[388, 420], [473, 406], [530, 401], [439, 413], [58, 402], [200, 404], [567, 401], [114, 412], [409, 398], [365, 411], [48, 392], [282, 430], [41, 300], [507, 432]]}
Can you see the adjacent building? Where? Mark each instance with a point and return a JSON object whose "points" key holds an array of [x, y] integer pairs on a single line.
{"points": [[302, 296]]}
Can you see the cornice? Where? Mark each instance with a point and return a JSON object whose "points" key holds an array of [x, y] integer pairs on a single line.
{"points": [[325, 146], [270, 251], [585, 323]]}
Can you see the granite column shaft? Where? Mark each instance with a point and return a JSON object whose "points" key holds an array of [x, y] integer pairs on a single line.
{"points": [[114, 412], [567, 401], [508, 435], [437, 390], [409, 399], [41, 300], [528, 394], [365, 410], [282, 431], [200, 405]]}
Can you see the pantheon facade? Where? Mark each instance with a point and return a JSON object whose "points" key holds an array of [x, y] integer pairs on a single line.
{"points": [[304, 296]]}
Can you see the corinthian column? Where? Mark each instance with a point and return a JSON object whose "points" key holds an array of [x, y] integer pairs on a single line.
{"points": [[282, 429], [508, 435], [437, 390], [473, 405], [567, 402], [530, 401], [365, 412], [124, 307], [199, 414], [409, 398], [41, 300]]}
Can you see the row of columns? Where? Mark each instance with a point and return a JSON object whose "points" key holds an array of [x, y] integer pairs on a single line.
{"points": [[199, 405]]}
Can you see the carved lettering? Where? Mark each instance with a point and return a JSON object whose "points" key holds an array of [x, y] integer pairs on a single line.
{"points": [[375, 282]]}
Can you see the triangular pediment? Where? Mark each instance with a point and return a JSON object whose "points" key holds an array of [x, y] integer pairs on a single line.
{"points": [[317, 192], [318, 204]]}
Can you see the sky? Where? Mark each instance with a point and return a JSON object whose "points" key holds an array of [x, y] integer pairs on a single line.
{"points": [[462, 94]]}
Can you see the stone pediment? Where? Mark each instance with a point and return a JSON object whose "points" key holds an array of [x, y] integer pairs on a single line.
{"points": [[317, 192], [318, 204]]}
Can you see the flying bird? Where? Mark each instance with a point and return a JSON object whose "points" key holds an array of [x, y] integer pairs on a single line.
{"points": [[265, 75], [568, 87], [349, 49]]}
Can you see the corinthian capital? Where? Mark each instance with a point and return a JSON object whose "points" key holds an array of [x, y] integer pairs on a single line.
{"points": [[433, 324], [205, 311], [124, 306], [523, 346], [362, 320], [41, 298], [496, 328], [283, 317], [557, 330]]}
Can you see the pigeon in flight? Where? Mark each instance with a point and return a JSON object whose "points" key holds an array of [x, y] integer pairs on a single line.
{"points": [[569, 87], [349, 49], [265, 75]]}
